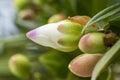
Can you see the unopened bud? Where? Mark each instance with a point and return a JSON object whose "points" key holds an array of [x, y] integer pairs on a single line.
{"points": [[56, 18], [63, 35], [92, 43], [84, 64], [19, 65], [26, 14], [80, 19], [96, 42]]}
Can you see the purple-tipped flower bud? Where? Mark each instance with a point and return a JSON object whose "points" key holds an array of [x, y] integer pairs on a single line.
{"points": [[56, 18], [63, 35], [84, 64], [19, 65]]}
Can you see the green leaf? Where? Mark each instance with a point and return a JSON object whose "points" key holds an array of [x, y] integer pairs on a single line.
{"points": [[104, 76], [115, 22], [110, 75], [14, 40], [25, 25], [4, 70], [115, 25], [110, 11], [73, 4], [58, 68], [98, 5], [106, 60], [57, 62]]}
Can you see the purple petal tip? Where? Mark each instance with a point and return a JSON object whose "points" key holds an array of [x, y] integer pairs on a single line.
{"points": [[31, 34]]}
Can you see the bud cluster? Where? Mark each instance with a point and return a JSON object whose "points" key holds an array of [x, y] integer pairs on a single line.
{"points": [[66, 36], [94, 44], [63, 35]]}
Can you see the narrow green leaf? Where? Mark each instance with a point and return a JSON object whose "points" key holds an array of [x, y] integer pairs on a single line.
{"points": [[106, 75], [112, 10], [73, 4], [115, 22], [22, 24], [115, 25], [13, 39], [98, 5], [56, 63], [106, 60], [110, 75]]}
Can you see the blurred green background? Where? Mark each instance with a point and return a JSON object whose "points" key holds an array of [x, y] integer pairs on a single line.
{"points": [[20, 16]]}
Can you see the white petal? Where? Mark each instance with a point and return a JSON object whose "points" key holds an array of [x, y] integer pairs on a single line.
{"points": [[46, 35]]}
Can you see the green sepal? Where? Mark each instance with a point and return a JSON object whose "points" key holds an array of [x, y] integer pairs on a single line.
{"points": [[67, 49], [69, 40], [70, 28]]}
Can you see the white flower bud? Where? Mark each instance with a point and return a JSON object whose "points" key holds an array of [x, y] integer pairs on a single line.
{"points": [[63, 36]]}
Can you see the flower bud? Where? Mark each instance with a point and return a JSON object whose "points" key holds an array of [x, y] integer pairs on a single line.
{"points": [[56, 18], [84, 64], [63, 35], [80, 19], [83, 20], [92, 43], [20, 4], [19, 65], [26, 14]]}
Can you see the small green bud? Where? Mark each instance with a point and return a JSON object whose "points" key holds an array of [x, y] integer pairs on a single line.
{"points": [[26, 14], [92, 43], [97, 42], [56, 18], [38, 2], [20, 4], [84, 64], [19, 65]]}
